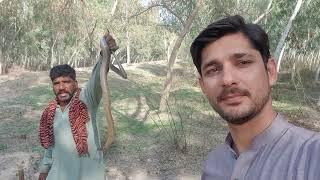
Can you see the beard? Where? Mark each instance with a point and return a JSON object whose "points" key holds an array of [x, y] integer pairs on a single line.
{"points": [[64, 96], [241, 115]]}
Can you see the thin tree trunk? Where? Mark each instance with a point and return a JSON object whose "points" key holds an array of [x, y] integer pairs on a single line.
{"points": [[316, 78], [169, 42], [1, 60], [166, 47], [268, 10], [280, 57], [25, 59], [286, 32], [128, 48], [52, 58], [1, 69], [4, 63], [127, 35], [168, 82], [293, 72], [114, 7]]}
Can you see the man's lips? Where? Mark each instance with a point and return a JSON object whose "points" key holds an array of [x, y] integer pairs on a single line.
{"points": [[63, 94], [232, 99], [232, 95]]}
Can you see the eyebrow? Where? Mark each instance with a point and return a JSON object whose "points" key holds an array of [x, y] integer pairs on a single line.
{"points": [[234, 56], [240, 55]]}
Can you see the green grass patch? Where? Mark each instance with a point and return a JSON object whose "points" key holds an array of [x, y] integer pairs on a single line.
{"points": [[3, 147], [37, 97]]}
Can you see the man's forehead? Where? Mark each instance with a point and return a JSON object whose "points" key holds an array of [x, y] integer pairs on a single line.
{"points": [[229, 55], [229, 45], [63, 78]]}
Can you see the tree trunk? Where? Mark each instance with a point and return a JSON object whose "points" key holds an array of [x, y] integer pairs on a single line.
{"points": [[168, 45], [25, 59], [52, 58], [293, 72], [127, 35], [3, 64], [1, 71], [268, 10], [114, 7], [286, 32], [280, 57], [1, 60], [168, 82], [316, 78], [128, 48]]}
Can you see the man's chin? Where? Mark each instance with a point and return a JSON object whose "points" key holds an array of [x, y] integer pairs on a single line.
{"points": [[238, 119], [64, 100]]}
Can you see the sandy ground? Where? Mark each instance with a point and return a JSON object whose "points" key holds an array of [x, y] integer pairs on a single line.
{"points": [[158, 161]]}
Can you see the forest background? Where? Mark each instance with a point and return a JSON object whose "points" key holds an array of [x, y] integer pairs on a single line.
{"points": [[164, 125]]}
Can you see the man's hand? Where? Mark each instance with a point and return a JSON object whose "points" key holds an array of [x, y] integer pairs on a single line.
{"points": [[110, 42], [43, 176]]}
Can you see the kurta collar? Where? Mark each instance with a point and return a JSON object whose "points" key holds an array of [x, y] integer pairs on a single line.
{"points": [[277, 128]]}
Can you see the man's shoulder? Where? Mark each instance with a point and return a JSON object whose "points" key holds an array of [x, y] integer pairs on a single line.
{"points": [[219, 163], [307, 140], [221, 151], [302, 134]]}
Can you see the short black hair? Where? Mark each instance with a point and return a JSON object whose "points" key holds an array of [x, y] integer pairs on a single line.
{"points": [[257, 37], [62, 70]]}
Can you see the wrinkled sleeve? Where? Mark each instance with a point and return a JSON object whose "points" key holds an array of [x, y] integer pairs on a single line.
{"points": [[46, 162], [91, 94]]}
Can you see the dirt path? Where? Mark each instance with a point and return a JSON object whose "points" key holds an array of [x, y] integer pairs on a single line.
{"points": [[13, 85], [19, 146]]}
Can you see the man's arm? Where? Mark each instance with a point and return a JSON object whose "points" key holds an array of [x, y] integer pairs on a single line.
{"points": [[92, 92], [45, 164], [43, 176]]}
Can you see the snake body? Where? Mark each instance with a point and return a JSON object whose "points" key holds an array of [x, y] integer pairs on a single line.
{"points": [[104, 69]]}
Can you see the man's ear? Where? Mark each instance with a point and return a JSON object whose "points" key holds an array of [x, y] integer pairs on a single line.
{"points": [[200, 80], [76, 83], [272, 71]]}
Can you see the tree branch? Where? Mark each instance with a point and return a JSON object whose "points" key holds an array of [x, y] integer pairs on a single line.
{"points": [[143, 11], [153, 5], [173, 13], [268, 10]]}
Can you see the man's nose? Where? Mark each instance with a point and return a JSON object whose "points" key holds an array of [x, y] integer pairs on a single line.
{"points": [[61, 86], [228, 76]]}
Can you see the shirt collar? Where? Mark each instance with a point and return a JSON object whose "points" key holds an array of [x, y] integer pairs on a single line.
{"points": [[277, 128]]}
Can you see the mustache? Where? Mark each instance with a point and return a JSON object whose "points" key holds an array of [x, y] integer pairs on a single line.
{"points": [[227, 91], [61, 92]]}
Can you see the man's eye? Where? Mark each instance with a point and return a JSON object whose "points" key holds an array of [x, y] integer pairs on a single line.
{"points": [[212, 70], [244, 62]]}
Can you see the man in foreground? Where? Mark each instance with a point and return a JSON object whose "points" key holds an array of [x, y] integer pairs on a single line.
{"points": [[236, 74], [68, 126]]}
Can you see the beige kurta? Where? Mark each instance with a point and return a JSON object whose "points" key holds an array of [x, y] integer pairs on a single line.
{"points": [[62, 161]]}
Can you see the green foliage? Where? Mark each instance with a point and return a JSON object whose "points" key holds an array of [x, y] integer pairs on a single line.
{"points": [[306, 39], [39, 34], [3, 147]]}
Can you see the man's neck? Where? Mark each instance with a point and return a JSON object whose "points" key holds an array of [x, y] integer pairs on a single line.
{"points": [[244, 134], [63, 105]]}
